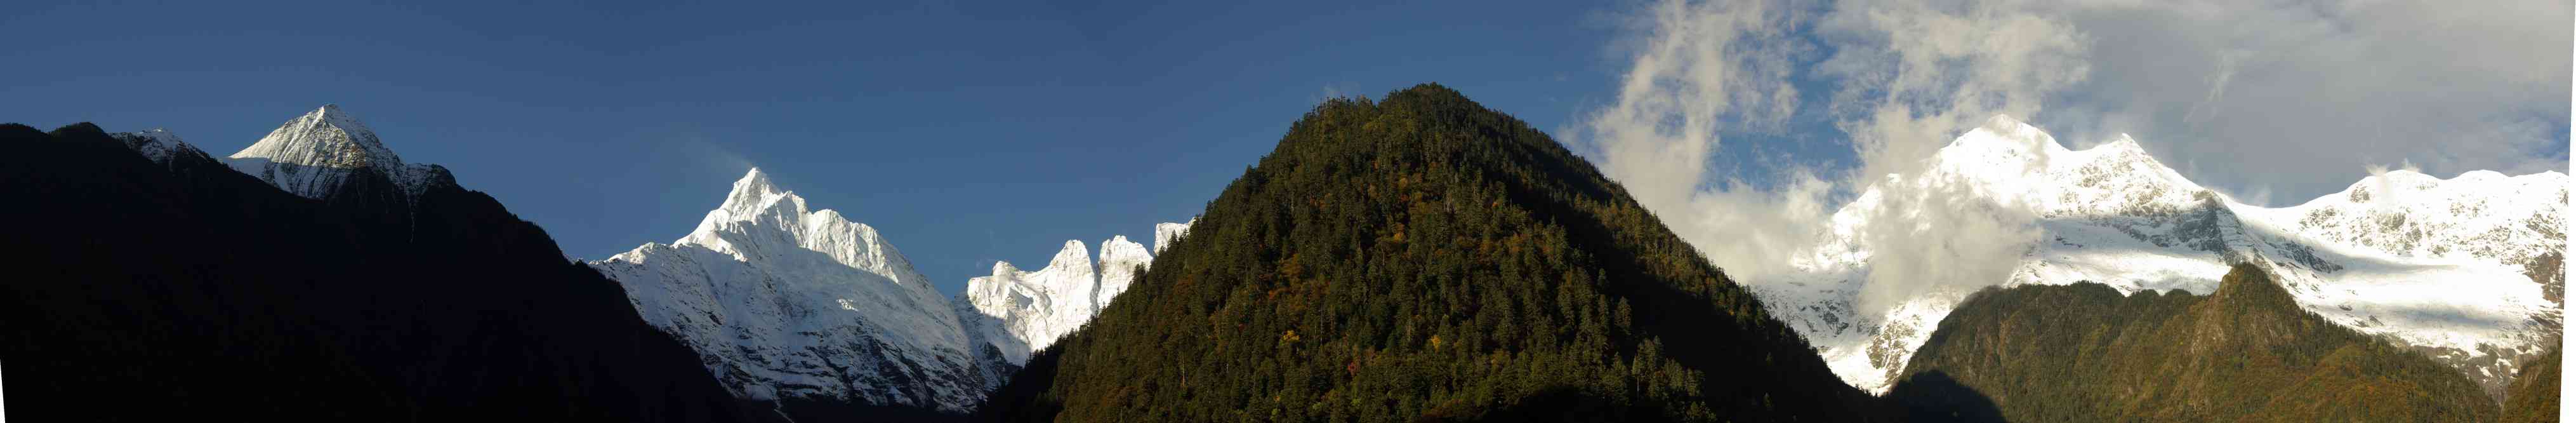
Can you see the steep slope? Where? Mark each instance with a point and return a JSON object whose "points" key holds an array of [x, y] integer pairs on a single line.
{"points": [[1017, 312], [316, 155], [825, 318], [163, 285], [2248, 351], [803, 307], [2462, 289], [2534, 396], [1426, 258]]}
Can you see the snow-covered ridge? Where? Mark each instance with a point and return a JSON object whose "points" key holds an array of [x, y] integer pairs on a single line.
{"points": [[158, 144], [2436, 264], [783, 301], [1019, 312], [2478, 216], [313, 154]]}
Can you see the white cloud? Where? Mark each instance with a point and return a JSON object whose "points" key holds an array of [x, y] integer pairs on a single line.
{"points": [[2265, 100], [1698, 66], [2291, 97]]}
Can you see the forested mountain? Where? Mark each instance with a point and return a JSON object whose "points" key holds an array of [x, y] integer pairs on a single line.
{"points": [[2534, 395], [1422, 257], [152, 282], [2085, 352]]}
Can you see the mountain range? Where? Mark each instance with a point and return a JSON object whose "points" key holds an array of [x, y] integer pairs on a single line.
{"points": [[824, 316], [2464, 269], [1419, 257], [345, 287]]}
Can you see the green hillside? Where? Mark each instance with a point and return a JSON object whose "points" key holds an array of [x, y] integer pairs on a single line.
{"points": [[1422, 257], [2247, 352]]}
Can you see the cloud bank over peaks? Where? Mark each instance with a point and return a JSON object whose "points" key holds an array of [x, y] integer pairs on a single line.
{"points": [[2268, 102]]}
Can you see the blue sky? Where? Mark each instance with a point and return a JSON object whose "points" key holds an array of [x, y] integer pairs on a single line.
{"points": [[969, 132], [965, 132]]}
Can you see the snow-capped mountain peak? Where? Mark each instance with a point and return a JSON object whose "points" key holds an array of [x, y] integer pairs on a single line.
{"points": [[758, 216], [2436, 264], [315, 154], [751, 193], [1074, 257], [1033, 308], [159, 145], [783, 302], [326, 137], [1120, 261], [1017, 312]]}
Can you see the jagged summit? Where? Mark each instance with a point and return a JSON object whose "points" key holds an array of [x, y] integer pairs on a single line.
{"points": [[790, 304], [316, 154], [750, 193], [1030, 309], [1016, 312], [757, 218], [806, 307], [1074, 254]]}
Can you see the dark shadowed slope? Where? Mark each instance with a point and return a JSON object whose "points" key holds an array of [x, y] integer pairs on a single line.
{"points": [[2534, 395], [1423, 257], [2084, 352], [188, 291]]}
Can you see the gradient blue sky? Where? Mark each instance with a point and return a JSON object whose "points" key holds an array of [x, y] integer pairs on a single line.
{"points": [[966, 132], [970, 132]]}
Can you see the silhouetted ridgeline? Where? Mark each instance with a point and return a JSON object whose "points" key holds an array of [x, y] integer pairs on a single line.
{"points": [[145, 292]]}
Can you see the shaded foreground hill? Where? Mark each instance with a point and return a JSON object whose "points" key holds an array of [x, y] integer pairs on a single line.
{"points": [[2247, 352], [186, 290], [2534, 394], [1423, 257]]}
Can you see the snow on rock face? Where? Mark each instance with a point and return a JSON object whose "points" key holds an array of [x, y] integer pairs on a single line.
{"points": [[2480, 215], [157, 144], [1166, 232], [1030, 309], [782, 302], [313, 154], [785, 302], [2441, 271], [1018, 312], [1121, 261]]}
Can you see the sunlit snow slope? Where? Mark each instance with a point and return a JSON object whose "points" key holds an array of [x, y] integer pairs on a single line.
{"points": [[785, 302], [2442, 265], [314, 155]]}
